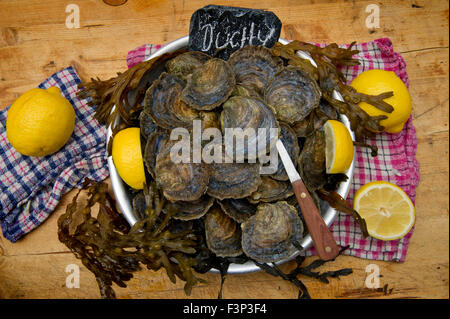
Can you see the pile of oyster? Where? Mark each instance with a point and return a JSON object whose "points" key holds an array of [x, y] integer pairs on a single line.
{"points": [[244, 211]]}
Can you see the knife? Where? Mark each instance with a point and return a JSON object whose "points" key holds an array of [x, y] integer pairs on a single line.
{"points": [[321, 235]]}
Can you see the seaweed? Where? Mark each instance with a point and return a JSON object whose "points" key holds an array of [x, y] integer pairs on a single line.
{"points": [[207, 260], [299, 269], [125, 92], [337, 202], [113, 253], [330, 78]]}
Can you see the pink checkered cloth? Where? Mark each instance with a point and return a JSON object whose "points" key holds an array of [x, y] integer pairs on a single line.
{"points": [[396, 161]]}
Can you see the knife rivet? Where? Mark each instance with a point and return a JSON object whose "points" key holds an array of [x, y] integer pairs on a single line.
{"points": [[328, 249], [303, 195]]}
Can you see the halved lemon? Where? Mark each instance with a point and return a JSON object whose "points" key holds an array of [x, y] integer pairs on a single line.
{"points": [[387, 209], [339, 147], [127, 157]]}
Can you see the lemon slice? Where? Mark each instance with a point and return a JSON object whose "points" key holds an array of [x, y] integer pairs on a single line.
{"points": [[339, 147], [387, 209]]}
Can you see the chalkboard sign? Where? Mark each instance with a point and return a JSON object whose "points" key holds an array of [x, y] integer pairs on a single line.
{"points": [[221, 30]]}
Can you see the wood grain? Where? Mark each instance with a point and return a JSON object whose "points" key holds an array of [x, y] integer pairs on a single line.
{"points": [[34, 43]]}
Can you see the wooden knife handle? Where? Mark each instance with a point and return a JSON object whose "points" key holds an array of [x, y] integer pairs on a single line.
{"points": [[321, 235]]}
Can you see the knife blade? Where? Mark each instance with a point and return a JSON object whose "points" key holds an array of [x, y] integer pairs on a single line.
{"points": [[321, 235]]}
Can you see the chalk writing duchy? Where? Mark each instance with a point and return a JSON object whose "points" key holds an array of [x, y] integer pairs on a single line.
{"points": [[221, 30]]}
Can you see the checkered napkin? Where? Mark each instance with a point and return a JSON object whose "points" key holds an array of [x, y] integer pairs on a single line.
{"points": [[31, 187], [396, 161]]}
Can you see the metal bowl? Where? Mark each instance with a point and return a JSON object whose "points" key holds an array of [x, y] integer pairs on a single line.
{"points": [[123, 196]]}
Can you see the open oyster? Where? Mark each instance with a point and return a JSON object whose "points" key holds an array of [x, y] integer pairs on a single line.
{"points": [[248, 113], [272, 233], [209, 86], [255, 66], [180, 181], [185, 64], [293, 94], [223, 234], [238, 209]]}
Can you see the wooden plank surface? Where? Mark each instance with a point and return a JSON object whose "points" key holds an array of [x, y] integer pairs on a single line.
{"points": [[34, 43]]}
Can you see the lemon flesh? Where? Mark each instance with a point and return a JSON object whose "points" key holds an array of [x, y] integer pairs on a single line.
{"points": [[387, 209], [127, 157], [40, 122], [374, 82], [339, 148]]}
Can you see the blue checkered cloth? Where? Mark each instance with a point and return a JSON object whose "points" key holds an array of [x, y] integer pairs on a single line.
{"points": [[31, 187]]}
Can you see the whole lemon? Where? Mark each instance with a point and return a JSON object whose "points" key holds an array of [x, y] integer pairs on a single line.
{"points": [[127, 157], [374, 82], [40, 122]]}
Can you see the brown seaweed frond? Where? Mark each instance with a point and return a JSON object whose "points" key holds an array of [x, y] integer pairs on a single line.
{"points": [[113, 252], [104, 95], [340, 204], [330, 79]]}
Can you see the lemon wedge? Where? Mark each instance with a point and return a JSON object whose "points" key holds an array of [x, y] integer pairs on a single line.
{"points": [[387, 209], [339, 147], [127, 157]]}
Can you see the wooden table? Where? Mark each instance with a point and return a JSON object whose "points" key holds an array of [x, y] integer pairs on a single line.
{"points": [[35, 42]]}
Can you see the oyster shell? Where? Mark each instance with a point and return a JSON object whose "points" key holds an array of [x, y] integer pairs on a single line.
{"points": [[268, 236], [180, 181], [164, 105], [305, 127], [185, 64], [316, 119], [324, 113], [241, 112], [311, 162], [242, 90], [238, 209], [209, 119], [139, 204], [293, 94], [255, 66], [152, 146], [271, 190], [209, 86], [233, 180], [190, 210], [146, 124], [223, 234]]}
